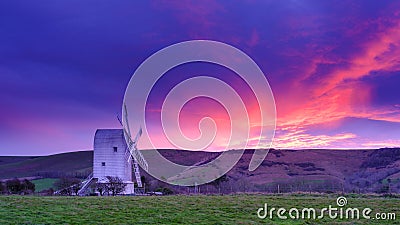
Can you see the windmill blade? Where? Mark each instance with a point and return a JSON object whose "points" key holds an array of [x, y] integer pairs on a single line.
{"points": [[119, 120], [126, 120], [137, 136], [138, 157], [128, 139], [131, 148], [134, 152]]}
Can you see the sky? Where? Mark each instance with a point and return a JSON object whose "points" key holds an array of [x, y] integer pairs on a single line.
{"points": [[333, 67]]}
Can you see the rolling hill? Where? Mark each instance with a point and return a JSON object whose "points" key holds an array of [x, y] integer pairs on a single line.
{"points": [[72, 163], [282, 170]]}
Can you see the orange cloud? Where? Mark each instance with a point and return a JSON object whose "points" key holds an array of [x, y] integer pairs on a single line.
{"points": [[336, 93]]}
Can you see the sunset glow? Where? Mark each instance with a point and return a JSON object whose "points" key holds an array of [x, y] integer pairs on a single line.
{"points": [[334, 69]]}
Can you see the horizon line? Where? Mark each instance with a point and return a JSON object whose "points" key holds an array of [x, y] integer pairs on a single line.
{"points": [[279, 149]]}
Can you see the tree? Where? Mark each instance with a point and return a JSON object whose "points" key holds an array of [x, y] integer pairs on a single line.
{"points": [[76, 187], [13, 186], [101, 188], [143, 179], [165, 190], [145, 182], [217, 182], [2, 188], [67, 185], [27, 186], [115, 185]]}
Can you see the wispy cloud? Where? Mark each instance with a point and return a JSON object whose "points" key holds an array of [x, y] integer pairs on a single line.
{"points": [[340, 93]]}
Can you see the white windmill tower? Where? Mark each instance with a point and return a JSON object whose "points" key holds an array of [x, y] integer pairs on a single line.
{"points": [[115, 154]]}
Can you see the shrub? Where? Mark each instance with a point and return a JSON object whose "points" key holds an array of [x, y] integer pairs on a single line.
{"points": [[14, 186], [165, 190]]}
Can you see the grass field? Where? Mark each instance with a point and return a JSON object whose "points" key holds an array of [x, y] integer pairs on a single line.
{"points": [[228, 209], [43, 184]]}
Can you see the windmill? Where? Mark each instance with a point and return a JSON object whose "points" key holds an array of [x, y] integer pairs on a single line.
{"points": [[115, 154], [132, 153]]}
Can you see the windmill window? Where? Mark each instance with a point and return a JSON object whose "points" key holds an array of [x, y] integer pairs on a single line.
{"points": [[115, 149], [103, 163]]}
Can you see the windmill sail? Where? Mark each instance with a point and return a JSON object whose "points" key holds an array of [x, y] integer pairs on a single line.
{"points": [[132, 151]]}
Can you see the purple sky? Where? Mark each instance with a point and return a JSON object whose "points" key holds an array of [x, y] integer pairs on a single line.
{"points": [[333, 66]]}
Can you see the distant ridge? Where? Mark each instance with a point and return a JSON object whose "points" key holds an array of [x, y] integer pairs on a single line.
{"points": [[69, 163], [358, 169]]}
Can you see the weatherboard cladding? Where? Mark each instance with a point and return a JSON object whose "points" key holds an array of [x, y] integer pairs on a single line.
{"points": [[115, 162]]}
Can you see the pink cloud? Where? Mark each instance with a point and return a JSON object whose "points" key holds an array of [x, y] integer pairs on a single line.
{"points": [[300, 139], [382, 144], [335, 94]]}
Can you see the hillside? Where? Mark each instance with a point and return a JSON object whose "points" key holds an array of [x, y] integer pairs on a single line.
{"points": [[72, 163], [282, 170], [310, 170]]}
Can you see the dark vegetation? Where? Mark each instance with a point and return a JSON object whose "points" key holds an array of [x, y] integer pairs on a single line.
{"points": [[68, 186], [16, 186], [113, 186], [381, 158]]}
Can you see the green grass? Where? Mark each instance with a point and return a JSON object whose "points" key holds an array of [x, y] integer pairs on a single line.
{"points": [[228, 209], [43, 184]]}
